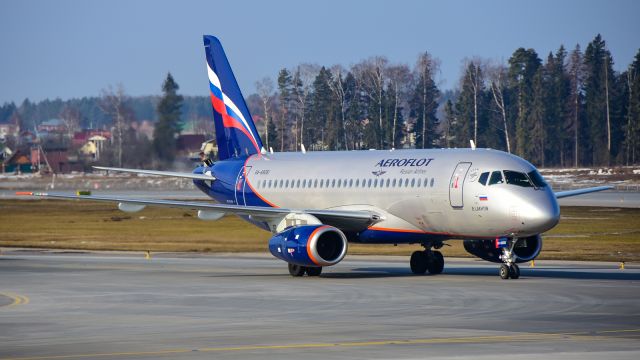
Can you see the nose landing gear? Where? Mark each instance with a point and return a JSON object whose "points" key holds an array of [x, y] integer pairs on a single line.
{"points": [[427, 260], [509, 269]]}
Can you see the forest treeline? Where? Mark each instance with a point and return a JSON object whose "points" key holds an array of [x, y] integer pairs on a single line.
{"points": [[568, 108]]}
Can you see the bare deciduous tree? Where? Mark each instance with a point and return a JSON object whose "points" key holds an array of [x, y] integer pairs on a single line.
{"points": [[476, 80], [303, 79], [371, 75], [399, 79], [71, 118], [498, 78], [338, 89], [265, 91], [112, 102]]}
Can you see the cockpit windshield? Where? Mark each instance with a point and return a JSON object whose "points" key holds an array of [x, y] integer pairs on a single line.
{"points": [[537, 179], [496, 178], [517, 178], [531, 179]]}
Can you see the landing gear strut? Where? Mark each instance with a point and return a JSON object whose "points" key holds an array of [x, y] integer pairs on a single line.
{"points": [[427, 260], [509, 269], [298, 270]]}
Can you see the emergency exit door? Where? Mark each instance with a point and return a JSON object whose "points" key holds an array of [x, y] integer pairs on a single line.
{"points": [[456, 185]]}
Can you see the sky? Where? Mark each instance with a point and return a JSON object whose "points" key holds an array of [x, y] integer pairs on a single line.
{"points": [[67, 49]]}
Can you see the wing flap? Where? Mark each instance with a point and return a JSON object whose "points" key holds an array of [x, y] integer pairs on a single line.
{"points": [[347, 220]]}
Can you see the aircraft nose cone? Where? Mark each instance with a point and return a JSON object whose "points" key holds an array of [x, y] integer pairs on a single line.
{"points": [[542, 216]]}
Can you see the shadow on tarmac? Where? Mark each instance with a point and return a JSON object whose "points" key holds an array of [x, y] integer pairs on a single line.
{"points": [[555, 273]]}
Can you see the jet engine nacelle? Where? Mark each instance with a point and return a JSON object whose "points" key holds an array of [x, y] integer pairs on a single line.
{"points": [[309, 245], [526, 249]]}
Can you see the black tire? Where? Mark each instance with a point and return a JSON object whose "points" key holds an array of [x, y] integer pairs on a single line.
{"points": [[514, 271], [504, 271], [436, 263], [418, 262], [296, 270], [314, 271]]}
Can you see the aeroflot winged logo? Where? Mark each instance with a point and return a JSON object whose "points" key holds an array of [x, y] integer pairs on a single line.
{"points": [[423, 162]]}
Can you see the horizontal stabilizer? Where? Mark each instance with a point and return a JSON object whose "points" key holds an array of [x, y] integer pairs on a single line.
{"points": [[159, 173]]}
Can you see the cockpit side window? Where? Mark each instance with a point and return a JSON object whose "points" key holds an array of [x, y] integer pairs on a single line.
{"points": [[537, 179], [496, 178], [517, 178], [483, 178]]}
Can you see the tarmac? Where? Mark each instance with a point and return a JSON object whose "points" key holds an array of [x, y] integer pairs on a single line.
{"points": [[111, 305]]}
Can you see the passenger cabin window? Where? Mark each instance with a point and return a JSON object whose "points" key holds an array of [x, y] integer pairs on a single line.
{"points": [[483, 178], [496, 178], [517, 178]]}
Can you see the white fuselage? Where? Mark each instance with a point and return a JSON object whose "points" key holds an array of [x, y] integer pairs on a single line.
{"points": [[431, 191]]}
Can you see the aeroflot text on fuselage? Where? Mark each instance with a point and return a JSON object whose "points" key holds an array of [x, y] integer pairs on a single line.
{"points": [[404, 162]]}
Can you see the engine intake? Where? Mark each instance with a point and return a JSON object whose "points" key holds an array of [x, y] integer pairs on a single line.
{"points": [[526, 249], [309, 245]]}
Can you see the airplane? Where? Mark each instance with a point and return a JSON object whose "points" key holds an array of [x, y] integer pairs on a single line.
{"points": [[316, 203]]}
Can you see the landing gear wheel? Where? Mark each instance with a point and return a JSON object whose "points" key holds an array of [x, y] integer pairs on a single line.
{"points": [[504, 271], [296, 270], [419, 262], [436, 263], [514, 271], [314, 271]]}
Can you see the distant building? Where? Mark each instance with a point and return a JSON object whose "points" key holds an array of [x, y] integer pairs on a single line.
{"points": [[17, 163], [9, 130], [81, 137], [54, 126], [57, 159]]}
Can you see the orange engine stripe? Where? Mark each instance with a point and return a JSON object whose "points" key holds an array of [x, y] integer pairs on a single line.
{"points": [[315, 261]]}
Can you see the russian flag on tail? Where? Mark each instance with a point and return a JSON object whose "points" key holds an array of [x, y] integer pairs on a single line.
{"points": [[236, 134]]}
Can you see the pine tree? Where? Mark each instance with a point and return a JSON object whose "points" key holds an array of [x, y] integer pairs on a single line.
{"points": [[575, 105], [285, 90], [168, 127], [448, 124], [632, 128], [523, 66], [323, 128], [424, 101], [557, 91], [599, 73]]}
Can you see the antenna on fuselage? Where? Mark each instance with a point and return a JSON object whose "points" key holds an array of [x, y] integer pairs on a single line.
{"points": [[271, 150], [473, 144], [304, 150]]}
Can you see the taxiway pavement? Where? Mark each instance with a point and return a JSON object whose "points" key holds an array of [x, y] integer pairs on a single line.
{"points": [[78, 305]]}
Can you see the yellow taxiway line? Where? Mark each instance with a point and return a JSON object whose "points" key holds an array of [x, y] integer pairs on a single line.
{"points": [[17, 299], [566, 336]]}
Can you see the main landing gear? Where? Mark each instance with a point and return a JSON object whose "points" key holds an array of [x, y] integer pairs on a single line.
{"points": [[509, 269], [298, 270], [427, 260]]}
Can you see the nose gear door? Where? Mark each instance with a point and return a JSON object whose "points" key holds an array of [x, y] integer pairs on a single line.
{"points": [[456, 184]]}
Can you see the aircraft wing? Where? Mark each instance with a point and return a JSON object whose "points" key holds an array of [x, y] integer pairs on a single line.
{"points": [[348, 220], [159, 173], [563, 194]]}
